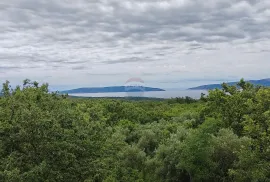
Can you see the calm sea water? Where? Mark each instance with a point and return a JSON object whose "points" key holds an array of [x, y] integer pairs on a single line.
{"points": [[196, 94]]}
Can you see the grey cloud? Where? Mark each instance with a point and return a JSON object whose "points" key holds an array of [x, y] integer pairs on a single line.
{"points": [[129, 60], [79, 68], [265, 50], [135, 53], [108, 74], [74, 62], [211, 48], [9, 67], [53, 34]]}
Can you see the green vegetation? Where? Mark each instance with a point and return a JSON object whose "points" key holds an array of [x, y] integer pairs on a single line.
{"points": [[263, 82], [50, 137]]}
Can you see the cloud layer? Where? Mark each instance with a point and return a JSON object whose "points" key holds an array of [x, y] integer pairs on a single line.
{"points": [[105, 42]]}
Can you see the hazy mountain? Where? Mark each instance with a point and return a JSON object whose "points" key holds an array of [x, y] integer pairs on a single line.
{"points": [[111, 89], [263, 82]]}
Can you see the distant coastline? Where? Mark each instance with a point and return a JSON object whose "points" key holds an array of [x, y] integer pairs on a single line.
{"points": [[111, 90], [262, 82]]}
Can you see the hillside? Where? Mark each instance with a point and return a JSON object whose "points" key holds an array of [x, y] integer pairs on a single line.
{"points": [[263, 82], [111, 89]]}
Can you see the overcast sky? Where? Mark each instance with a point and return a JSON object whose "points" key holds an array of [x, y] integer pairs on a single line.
{"points": [[167, 43]]}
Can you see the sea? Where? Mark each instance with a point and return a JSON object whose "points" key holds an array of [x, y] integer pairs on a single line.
{"points": [[196, 94]]}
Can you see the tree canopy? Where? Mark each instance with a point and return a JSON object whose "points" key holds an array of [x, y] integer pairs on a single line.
{"points": [[46, 136]]}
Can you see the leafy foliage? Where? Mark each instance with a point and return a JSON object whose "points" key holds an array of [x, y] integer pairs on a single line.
{"points": [[46, 136]]}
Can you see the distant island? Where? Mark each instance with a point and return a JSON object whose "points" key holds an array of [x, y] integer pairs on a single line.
{"points": [[263, 82], [110, 89]]}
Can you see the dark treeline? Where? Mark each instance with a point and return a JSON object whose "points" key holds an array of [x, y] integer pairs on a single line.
{"points": [[223, 137]]}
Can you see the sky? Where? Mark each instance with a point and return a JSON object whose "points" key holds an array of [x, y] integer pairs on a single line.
{"points": [[166, 43]]}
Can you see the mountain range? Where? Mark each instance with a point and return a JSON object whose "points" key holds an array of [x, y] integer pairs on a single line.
{"points": [[262, 82], [110, 89]]}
